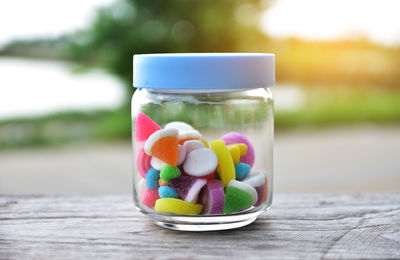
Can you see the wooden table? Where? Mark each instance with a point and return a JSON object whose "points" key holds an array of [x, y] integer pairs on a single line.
{"points": [[296, 227]]}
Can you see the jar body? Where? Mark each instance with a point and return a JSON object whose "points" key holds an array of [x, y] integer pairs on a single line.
{"points": [[216, 116]]}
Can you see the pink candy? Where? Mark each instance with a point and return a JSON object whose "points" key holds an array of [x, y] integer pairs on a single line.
{"points": [[149, 197], [144, 127], [235, 138], [143, 163]]}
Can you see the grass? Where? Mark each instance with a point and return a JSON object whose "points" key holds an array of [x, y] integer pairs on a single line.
{"points": [[323, 108]]}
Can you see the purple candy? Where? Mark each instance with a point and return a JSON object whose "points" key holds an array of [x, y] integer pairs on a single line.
{"points": [[213, 197], [260, 193], [188, 187], [234, 138]]}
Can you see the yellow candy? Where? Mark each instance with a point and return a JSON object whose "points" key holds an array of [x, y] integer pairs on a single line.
{"points": [[204, 141], [225, 168], [234, 150], [243, 148], [177, 206]]}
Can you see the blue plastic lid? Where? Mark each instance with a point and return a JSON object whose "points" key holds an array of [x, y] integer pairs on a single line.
{"points": [[203, 71]]}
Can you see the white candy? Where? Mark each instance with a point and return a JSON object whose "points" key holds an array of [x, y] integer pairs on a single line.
{"points": [[244, 187], [192, 145], [194, 134], [255, 179], [157, 135], [200, 162], [182, 154], [181, 126], [157, 163]]}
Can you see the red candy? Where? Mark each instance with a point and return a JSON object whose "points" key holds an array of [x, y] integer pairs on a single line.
{"points": [[143, 163], [149, 197]]}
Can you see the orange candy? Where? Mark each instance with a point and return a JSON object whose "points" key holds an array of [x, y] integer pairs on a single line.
{"points": [[163, 144]]}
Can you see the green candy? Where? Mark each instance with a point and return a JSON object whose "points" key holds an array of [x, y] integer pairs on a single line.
{"points": [[169, 172], [236, 200]]}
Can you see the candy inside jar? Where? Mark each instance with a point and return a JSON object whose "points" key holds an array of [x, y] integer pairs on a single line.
{"points": [[184, 173]]}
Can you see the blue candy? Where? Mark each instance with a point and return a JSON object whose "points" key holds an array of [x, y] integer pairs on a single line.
{"points": [[152, 176], [241, 170], [167, 192]]}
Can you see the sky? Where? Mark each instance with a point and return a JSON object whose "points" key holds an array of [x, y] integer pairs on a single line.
{"points": [[310, 19], [378, 20]]}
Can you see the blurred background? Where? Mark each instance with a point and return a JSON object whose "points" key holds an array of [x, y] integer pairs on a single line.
{"points": [[66, 74]]}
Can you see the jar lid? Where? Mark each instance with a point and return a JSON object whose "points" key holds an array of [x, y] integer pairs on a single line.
{"points": [[204, 70]]}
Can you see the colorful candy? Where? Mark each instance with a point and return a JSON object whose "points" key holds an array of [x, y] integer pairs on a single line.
{"points": [[257, 180], [163, 144], [144, 127], [143, 162], [239, 196], [177, 206], [213, 197], [168, 173], [167, 192], [149, 197], [187, 175], [188, 187], [237, 138], [241, 170], [200, 162], [226, 169]]}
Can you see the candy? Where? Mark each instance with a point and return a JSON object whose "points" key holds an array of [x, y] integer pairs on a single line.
{"points": [[181, 154], [257, 180], [204, 141], [234, 138], [200, 162], [177, 206], [149, 197], [163, 144], [143, 163], [167, 192], [188, 187], [241, 170], [162, 183], [226, 169], [189, 135], [157, 163], [239, 196], [168, 173], [210, 176], [193, 145], [152, 176], [213, 197], [234, 151], [265, 196], [144, 127], [181, 126]]}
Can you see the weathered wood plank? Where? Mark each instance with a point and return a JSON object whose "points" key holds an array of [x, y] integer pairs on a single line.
{"points": [[297, 227]]}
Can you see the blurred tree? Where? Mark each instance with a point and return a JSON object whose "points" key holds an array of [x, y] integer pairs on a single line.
{"points": [[142, 26]]}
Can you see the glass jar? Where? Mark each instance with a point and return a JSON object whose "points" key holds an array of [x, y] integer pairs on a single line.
{"points": [[202, 131]]}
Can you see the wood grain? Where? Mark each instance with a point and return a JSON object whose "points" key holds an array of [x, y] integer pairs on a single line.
{"points": [[108, 227]]}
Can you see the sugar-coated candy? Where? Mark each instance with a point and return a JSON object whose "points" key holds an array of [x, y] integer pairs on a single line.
{"points": [[162, 183], [181, 126], [235, 138], [181, 154], [213, 197], [163, 144], [200, 162], [239, 196], [241, 170], [144, 127], [167, 192], [193, 145], [234, 151], [143, 162], [226, 169], [149, 197], [257, 180], [168, 173], [188, 187], [157, 163], [177, 206], [152, 176]]}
